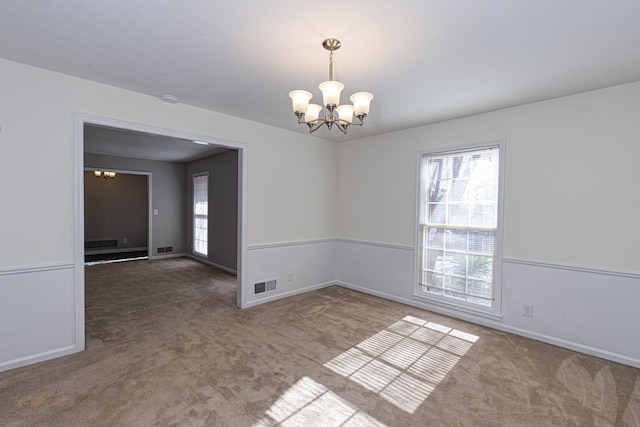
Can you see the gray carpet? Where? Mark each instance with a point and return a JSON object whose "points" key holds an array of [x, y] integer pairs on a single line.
{"points": [[167, 346]]}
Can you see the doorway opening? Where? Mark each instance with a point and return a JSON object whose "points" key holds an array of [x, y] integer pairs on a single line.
{"points": [[116, 215], [164, 217]]}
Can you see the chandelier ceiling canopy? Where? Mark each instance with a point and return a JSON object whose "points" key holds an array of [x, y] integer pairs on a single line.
{"points": [[336, 114]]}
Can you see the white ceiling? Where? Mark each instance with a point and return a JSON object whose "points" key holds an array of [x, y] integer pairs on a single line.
{"points": [[425, 60], [125, 143]]}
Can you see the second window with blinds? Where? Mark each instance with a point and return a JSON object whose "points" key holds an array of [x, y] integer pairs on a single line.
{"points": [[201, 214], [459, 230]]}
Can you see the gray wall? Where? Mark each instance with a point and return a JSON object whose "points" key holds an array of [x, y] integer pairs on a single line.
{"points": [[167, 195], [223, 207], [116, 209]]}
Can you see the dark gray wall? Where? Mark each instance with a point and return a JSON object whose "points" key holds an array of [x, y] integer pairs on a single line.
{"points": [[117, 209], [167, 195], [223, 207]]}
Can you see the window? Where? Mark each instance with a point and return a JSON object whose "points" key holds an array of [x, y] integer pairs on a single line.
{"points": [[200, 214], [459, 226]]}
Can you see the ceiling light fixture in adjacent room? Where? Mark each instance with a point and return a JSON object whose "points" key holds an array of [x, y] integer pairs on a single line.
{"points": [[105, 175], [339, 115]]}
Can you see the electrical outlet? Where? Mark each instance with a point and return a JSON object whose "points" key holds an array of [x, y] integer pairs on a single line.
{"points": [[124, 240], [527, 310], [290, 276]]}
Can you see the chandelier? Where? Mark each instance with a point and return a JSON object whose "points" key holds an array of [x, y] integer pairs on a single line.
{"points": [[339, 115]]}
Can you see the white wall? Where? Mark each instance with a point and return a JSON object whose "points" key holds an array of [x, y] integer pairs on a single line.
{"points": [[291, 187], [36, 117], [571, 200], [571, 166], [37, 319], [296, 266]]}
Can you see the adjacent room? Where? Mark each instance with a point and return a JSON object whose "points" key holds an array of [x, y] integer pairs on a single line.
{"points": [[380, 214], [152, 197]]}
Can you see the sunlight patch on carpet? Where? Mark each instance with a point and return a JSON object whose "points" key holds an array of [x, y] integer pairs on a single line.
{"points": [[309, 403], [405, 362]]}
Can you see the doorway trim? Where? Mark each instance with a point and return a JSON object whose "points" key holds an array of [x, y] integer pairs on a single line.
{"points": [[79, 121]]}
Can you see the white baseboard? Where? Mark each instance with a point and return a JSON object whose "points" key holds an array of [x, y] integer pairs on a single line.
{"points": [[277, 296], [213, 264], [166, 256], [35, 358], [603, 354], [296, 267]]}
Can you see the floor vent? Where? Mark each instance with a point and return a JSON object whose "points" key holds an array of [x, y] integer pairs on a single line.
{"points": [[265, 286]]}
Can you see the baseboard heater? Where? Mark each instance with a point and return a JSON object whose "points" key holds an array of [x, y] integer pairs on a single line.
{"points": [[101, 244], [115, 250]]}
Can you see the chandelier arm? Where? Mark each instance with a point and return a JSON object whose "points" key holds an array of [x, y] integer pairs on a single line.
{"points": [[342, 126], [315, 126], [300, 116]]}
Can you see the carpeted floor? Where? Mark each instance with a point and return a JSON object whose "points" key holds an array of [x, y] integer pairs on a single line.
{"points": [[167, 346]]}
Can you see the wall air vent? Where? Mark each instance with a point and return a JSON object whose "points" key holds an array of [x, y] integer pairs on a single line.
{"points": [[265, 286]]}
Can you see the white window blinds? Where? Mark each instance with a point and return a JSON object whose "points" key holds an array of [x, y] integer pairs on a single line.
{"points": [[458, 224]]}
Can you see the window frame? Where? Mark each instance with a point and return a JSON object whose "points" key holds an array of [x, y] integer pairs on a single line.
{"points": [[444, 302], [193, 214]]}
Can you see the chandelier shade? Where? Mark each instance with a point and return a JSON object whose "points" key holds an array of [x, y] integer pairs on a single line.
{"points": [[345, 112], [361, 102], [300, 100], [339, 115], [313, 112], [331, 92]]}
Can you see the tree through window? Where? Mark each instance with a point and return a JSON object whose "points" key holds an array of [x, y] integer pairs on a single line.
{"points": [[459, 224]]}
